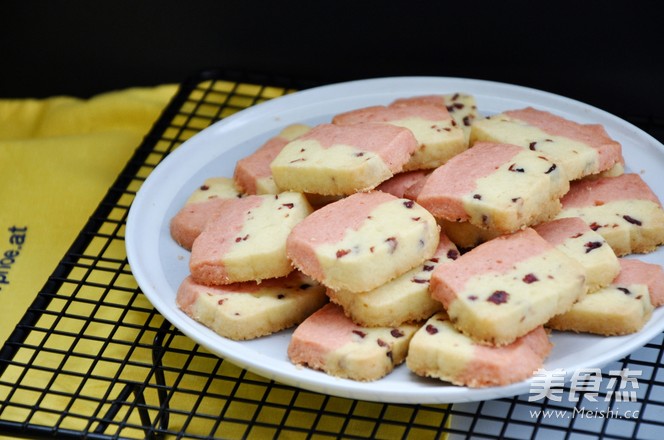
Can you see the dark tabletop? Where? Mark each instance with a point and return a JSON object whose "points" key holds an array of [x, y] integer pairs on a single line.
{"points": [[607, 54]]}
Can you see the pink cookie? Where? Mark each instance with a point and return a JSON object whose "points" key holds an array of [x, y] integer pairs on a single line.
{"points": [[575, 238], [439, 350], [623, 209], [508, 286], [363, 241], [204, 203], [248, 310], [461, 106], [247, 241], [498, 187], [639, 272], [438, 135], [253, 174], [343, 159], [404, 299], [580, 149], [621, 308], [331, 342]]}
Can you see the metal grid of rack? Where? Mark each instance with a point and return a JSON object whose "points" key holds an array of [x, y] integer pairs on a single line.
{"points": [[91, 358]]}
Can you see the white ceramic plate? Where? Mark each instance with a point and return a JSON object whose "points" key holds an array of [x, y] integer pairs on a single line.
{"points": [[159, 264]]}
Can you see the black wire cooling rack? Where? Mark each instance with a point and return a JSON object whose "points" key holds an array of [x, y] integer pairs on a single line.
{"points": [[92, 359]]}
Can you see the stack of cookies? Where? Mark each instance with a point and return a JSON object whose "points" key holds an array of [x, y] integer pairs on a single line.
{"points": [[419, 232]]}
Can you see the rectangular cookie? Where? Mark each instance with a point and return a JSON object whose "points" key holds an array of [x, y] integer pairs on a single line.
{"points": [[574, 237], [461, 106], [618, 309], [404, 299], [249, 310], [252, 173], [331, 342], [623, 209], [438, 135], [580, 149], [508, 286], [363, 241], [498, 187], [440, 351], [335, 159], [204, 202], [247, 240]]}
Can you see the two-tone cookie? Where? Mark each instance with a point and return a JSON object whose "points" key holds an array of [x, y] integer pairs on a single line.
{"points": [[506, 287], [575, 238], [253, 174], [461, 106], [404, 299], [363, 241], [249, 310], [247, 241], [335, 159], [634, 271], [621, 308], [331, 342], [623, 209], [438, 135], [498, 187], [580, 149], [206, 200], [440, 351]]}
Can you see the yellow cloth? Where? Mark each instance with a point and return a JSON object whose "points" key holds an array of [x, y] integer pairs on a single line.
{"points": [[58, 157]]}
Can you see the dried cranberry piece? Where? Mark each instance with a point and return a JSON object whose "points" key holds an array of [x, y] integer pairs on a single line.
{"points": [[427, 268], [530, 278], [532, 145], [594, 226], [204, 187], [625, 290], [632, 220], [431, 329], [592, 245], [408, 204], [516, 170], [452, 254], [396, 333], [419, 281], [499, 297], [553, 167], [342, 252], [288, 205], [360, 333], [381, 343], [477, 196]]}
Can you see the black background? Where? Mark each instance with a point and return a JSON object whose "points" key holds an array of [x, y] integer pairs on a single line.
{"points": [[608, 54]]}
